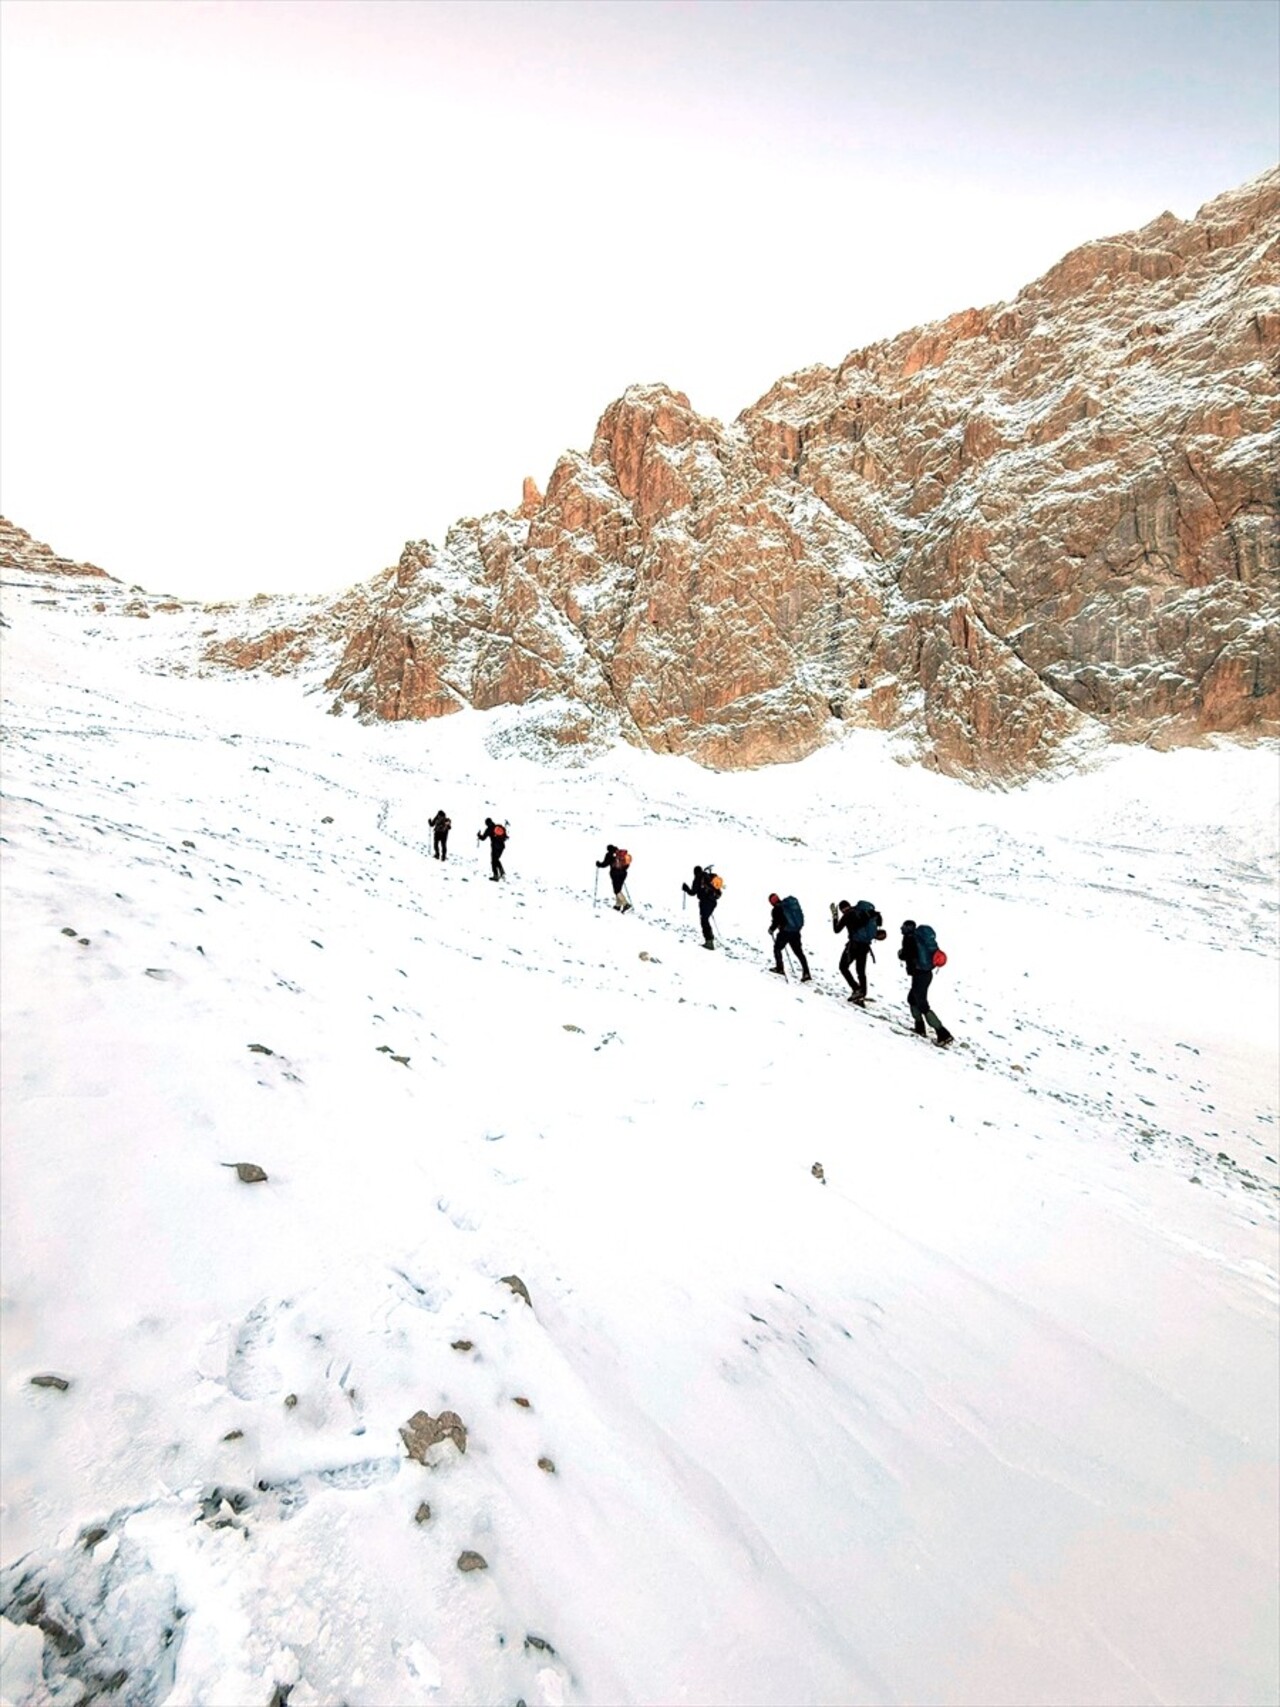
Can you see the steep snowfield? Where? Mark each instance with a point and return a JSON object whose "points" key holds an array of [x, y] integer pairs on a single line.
{"points": [[990, 1416]]}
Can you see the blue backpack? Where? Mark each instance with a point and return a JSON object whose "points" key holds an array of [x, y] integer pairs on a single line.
{"points": [[866, 923], [793, 913], [928, 955]]}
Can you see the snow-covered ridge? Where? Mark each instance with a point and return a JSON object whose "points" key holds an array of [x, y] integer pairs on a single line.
{"points": [[1009, 537], [985, 1413]]}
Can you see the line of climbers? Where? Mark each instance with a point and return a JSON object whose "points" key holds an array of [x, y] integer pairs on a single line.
{"points": [[495, 834], [859, 922]]}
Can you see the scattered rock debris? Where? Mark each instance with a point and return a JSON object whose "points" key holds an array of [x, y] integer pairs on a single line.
{"points": [[290, 1401], [522, 1402], [576, 1028], [70, 930], [816, 1171], [90, 1538], [540, 1644], [518, 1287], [461, 1345], [326, 820], [60, 1382], [423, 1513], [260, 1049], [423, 1431], [234, 1434], [547, 1464], [469, 1561]]}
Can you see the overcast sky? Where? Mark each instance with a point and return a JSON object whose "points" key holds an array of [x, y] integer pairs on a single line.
{"points": [[284, 283]]}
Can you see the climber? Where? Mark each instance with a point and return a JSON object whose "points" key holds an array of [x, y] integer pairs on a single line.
{"points": [[705, 889], [439, 827], [863, 924], [785, 924], [919, 955], [496, 836], [618, 861]]}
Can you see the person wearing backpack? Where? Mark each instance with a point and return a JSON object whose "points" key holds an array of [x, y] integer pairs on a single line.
{"points": [[496, 836], [706, 890], [439, 827], [618, 861], [785, 924], [863, 924], [920, 955]]}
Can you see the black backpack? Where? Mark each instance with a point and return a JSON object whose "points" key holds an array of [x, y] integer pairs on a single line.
{"points": [[793, 913]]}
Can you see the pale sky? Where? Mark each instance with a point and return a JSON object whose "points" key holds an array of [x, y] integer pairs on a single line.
{"points": [[284, 283]]}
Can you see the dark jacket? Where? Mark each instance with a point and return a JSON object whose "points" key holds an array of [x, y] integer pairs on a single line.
{"points": [[701, 890], [909, 953], [778, 919]]}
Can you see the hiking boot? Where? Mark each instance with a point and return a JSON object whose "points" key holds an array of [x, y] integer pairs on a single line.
{"points": [[778, 971], [808, 978], [943, 1038], [856, 999], [920, 1028], [708, 945]]}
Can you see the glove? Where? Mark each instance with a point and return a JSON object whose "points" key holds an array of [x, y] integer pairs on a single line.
{"points": [[835, 912]]}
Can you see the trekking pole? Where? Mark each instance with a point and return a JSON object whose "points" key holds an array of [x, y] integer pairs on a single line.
{"points": [[595, 890]]}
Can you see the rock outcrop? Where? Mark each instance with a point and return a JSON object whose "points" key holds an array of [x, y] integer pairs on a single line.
{"points": [[1009, 535], [19, 551]]}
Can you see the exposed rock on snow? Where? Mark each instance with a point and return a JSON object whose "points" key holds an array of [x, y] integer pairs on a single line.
{"points": [[248, 1173], [469, 1561], [60, 1382], [1008, 535], [518, 1287], [423, 1431]]}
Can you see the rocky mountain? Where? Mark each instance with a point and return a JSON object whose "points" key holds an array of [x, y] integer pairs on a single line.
{"points": [[1007, 535]]}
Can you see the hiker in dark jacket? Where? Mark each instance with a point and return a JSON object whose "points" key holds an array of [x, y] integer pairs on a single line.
{"points": [[916, 955], [618, 860], [439, 827], [496, 836], [785, 924], [707, 896], [863, 925]]}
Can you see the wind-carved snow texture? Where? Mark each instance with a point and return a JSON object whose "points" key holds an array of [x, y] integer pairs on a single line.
{"points": [[984, 1409]]}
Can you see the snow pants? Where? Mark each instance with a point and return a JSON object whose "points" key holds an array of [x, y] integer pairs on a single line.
{"points": [[791, 940], [705, 910], [855, 955], [918, 1002]]}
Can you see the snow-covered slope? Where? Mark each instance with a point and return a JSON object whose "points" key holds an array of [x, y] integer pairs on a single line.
{"points": [[988, 1416]]}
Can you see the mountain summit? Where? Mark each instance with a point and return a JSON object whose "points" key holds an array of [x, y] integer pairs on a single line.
{"points": [[1007, 536]]}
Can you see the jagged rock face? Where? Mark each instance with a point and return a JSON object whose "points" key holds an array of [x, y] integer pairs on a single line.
{"points": [[1021, 528], [19, 551]]}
